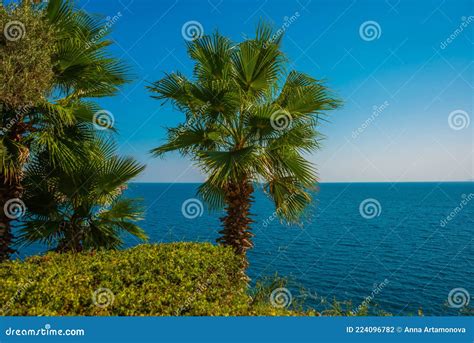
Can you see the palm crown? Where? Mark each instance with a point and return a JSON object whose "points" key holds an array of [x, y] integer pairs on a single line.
{"points": [[245, 126], [82, 208]]}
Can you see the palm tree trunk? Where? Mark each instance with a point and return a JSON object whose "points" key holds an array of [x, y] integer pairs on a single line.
{"points": [[8, 190], [11, 186], [72, 240], [236, 232]]}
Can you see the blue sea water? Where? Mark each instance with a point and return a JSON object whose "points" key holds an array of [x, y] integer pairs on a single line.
{"points": [[414, 238]]}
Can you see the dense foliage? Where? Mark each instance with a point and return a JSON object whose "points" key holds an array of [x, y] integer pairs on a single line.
{"points": [[26, 45], [165, 279]]}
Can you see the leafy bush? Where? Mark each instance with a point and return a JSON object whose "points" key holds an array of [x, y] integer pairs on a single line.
{"points": [[165, 279], [26, 46], [172, 279]]}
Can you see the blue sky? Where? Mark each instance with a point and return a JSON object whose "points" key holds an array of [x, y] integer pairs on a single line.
{"points": [[399, 87]]}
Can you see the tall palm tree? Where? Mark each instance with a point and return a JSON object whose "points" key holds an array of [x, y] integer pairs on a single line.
{"points": [[51, 61], [81, 208], [246, 125]]}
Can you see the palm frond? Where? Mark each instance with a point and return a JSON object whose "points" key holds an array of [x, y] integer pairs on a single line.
{"points": [[212, 56], [212, 194]]}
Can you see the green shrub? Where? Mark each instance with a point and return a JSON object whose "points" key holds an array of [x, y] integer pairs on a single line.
{"points": [[172, 279], [26, 45], [165, 279]]}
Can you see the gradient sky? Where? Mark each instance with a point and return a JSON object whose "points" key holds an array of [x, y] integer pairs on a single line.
{"points": [[408, 70]]}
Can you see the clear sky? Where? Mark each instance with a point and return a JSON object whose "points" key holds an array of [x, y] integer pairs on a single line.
{"points": [[399, 82]]}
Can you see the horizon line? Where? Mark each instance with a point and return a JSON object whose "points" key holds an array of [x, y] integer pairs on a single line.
{"points": [[325, 182]]}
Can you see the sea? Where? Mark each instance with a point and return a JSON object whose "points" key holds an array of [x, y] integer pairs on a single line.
{"points": [[398, 247]]}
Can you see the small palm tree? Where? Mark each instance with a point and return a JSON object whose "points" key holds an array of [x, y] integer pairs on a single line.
{"points": [[82, 208], [245, 126], [49, 62]]}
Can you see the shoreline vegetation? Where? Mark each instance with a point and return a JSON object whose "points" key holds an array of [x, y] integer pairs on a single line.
{"points": [[166, 279], [169, 279]]}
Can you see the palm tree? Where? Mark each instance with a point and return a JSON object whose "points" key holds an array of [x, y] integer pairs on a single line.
{"points": [[245, 127], [49, 63], [82, 208]]}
